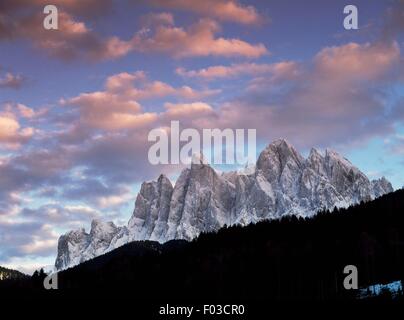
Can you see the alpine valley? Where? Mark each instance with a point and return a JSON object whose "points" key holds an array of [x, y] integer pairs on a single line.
{"points": [[282, 183]]}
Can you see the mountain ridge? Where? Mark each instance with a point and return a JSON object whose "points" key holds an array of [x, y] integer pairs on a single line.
{"points": [[282, 259], [282, 182]]}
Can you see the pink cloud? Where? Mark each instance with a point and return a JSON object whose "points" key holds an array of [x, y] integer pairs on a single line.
{"points": [[158, 89], [21, 111], [284, 70], [25, 112], [107, 110], [117, 107], [73, 39], [226, 10], [136, 86], [184, 110], [124, 81], [11, 133], [354, 61], [198, 40]]}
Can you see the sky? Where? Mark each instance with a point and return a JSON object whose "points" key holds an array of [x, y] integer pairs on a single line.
{"points": [[77, 103]]}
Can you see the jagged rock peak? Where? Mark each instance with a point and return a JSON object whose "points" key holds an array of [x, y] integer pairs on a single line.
{"points": [[381, 186], [283, 151], [100, 228], [315, 154], [335, 156]]}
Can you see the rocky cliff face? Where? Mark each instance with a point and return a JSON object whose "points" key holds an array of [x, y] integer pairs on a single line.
{"points": [[77, 246], [202, 200]]}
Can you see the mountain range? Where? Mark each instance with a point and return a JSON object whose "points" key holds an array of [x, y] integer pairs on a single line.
{"points": [[281, 183], [290, 259]]}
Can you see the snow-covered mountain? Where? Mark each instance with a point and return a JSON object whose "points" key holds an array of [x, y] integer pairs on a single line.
{"points": [[202, 200]]}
